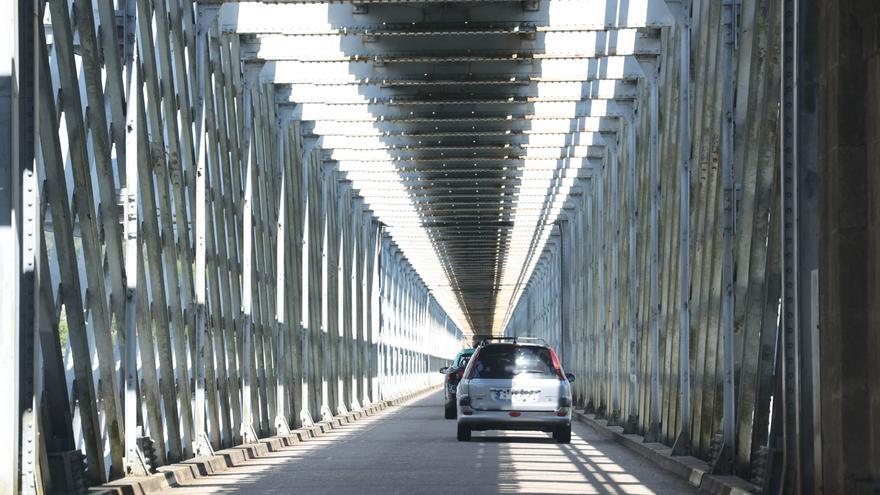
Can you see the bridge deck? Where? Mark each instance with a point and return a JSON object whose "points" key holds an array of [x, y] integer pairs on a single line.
{"points": [[419, 454]]}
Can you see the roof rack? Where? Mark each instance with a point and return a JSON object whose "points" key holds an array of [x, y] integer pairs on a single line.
{"points": [[531, 340]]}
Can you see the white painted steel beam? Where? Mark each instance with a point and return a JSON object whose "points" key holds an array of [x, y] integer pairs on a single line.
{"points": [[299, 17], [518, 140], [348, 46], [363, 71]]}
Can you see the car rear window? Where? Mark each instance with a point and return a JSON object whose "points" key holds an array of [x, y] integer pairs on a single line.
{"points": [[508, 361]]}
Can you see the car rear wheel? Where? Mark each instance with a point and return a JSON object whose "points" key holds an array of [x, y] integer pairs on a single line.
{"points": [[464, 433], [562, 434]]}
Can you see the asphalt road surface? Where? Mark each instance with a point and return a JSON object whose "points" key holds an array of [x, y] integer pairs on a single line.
{"points": [[411, 449]]}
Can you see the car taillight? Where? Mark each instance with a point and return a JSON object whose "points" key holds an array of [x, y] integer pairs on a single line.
{"points": [[556, 366], [464, 403]]}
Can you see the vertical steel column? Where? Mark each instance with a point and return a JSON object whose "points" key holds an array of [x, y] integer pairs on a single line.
{"points": [[202, 445], [282, 360], [408, 323], [395, 317], [653, 432], [331, 292], [185, 75], [801, 468], [305, 291], [219, 425], [29, 442], [582, 300], [365, 283], [381, 320], [296, 298], [391, 315], [358, 330], [388, 319], [231, 182], [10, 243], [682, 444], [19, 239], [564, 282], [632, 420], [134, 151], [249, 378], [323, 360], [790, 349], [724, 462], [264, 185], [602, 300], [372, 305], [292, 280], [403, 322], [415, 327], [314, 263], [614, 212], [131, 267], [347, 307], [592, 306], [380, 310]]}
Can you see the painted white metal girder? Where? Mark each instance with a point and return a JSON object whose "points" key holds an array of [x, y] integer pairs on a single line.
{"points": [[345, 47], [520, 140], [300, 17], [550, 70], [530, 126], [372, 113], [375, 92], [376, 156]]}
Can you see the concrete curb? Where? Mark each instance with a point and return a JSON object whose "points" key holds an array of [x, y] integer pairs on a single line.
{"points": [[694, 470], [175, 475]]}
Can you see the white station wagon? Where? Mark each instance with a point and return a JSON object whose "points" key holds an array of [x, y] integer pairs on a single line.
{"points": [[514, 385]]}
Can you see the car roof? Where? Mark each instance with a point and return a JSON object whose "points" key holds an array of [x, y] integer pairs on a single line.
{"points": [[517, 344]]}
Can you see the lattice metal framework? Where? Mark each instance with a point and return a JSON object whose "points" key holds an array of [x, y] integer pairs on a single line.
{"points": [[239, 218]]}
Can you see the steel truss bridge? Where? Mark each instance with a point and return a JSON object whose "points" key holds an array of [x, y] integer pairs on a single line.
{"points": [[227, 221]]}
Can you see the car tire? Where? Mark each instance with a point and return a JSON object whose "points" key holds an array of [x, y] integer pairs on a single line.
{"points": [[562, 434], [449, 411], [464, 433]]}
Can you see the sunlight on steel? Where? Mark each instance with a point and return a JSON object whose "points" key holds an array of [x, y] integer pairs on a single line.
{"points": [[430, 160], [315, 17]]}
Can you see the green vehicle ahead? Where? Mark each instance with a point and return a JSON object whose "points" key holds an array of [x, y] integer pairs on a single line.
{"points": [[453, 375]]}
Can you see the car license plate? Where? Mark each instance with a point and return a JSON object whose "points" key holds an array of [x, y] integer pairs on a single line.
{"points": [[501, 394], [516, 395]]}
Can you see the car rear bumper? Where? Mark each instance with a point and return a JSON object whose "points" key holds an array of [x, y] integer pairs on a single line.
{"points": [[502, 420]]}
